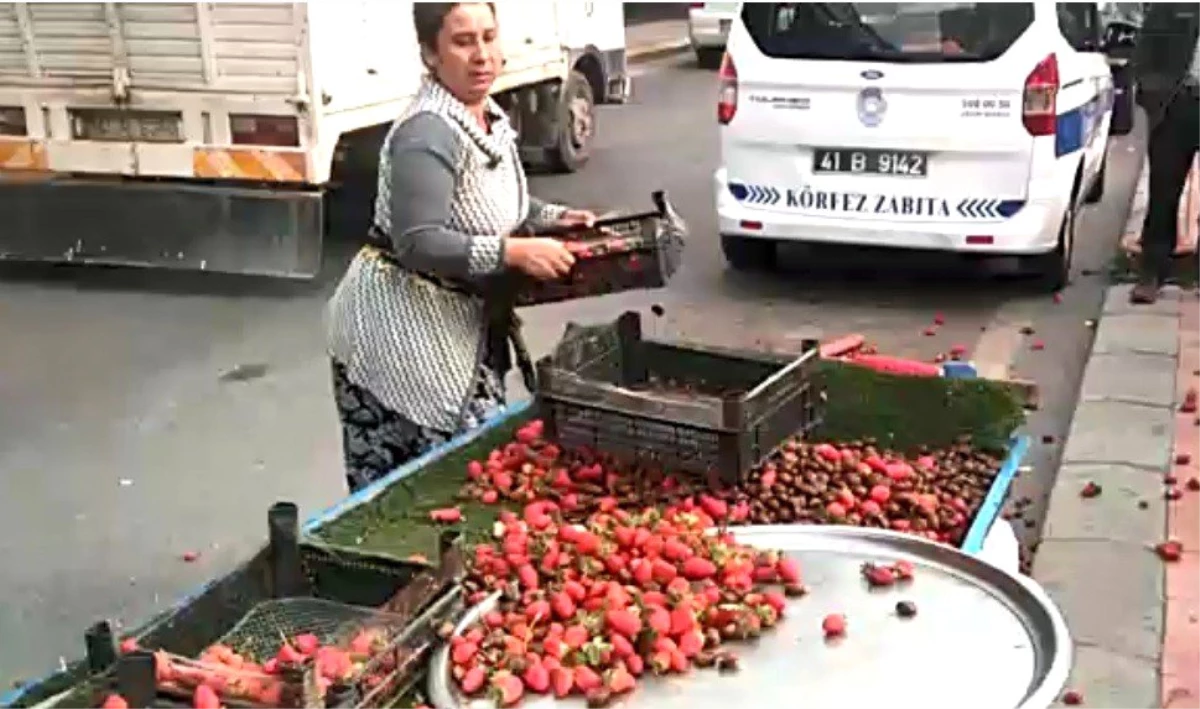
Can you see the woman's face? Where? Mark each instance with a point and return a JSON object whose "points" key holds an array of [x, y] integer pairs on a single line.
{"points": [[468, 57]]}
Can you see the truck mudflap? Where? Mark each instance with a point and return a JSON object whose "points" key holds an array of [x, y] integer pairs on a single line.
{"points": [[195, 227]]}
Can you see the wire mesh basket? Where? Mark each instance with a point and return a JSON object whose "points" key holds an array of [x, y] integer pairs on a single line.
{"points": [[260, 634]]}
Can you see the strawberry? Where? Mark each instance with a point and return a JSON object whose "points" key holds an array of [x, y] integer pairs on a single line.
{"points": [[691, 643], [447, 515], [1170, 550], [878, 576], [788, 569], [834, 625], [537, 611], [663, 572], [586, 678], [658, 619], [698, 568], [288, 655], [775, 600], [473, 680], [507, 688], [205, 697], [563, 681], [114, 701], [562, 605], [903, 569], [620, 681], [463, 653], [528, 577], [575, 637], [636, 665], [623, 622], [307, 643], [537, 678], [129, 645], [621, 646]]}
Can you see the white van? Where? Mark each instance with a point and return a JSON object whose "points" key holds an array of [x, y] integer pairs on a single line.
{"points": [[971, 127]]}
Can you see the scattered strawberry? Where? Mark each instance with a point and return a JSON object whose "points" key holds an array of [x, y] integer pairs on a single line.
{"points": [[878, 576], [1037, 345], [929, 331], [834, 625], [1058, 297], [1072, 698], [1090, 490], [1170, 550], [939, 319], [507, 688], [114, 701], [903, 570], [205, 697], [1183, 458], [447, 515], [128, 645], [190, 556], [1189, 401], [1193, 484]]}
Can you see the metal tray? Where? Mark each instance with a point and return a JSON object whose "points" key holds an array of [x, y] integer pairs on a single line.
{"points": [[981, 636]]}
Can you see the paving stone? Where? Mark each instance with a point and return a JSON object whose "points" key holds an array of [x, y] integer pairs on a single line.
{"points": [[1140, 332], [1110, 593], [1120, 432], [1109, 679], [1116, 302], [1114, 514], [1143, 378]]}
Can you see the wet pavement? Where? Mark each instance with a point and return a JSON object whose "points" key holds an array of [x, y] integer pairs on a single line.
{"points": [[147, 414]]}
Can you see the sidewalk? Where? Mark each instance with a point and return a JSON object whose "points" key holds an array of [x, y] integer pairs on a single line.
{"points": [[649, 40], [1132, 615]]}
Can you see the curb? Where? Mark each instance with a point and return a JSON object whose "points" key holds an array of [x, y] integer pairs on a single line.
{"points": [[1120, 644], [656, 50]]}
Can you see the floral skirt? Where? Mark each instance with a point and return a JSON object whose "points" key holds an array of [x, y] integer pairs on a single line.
{"points": [[376, 440]]}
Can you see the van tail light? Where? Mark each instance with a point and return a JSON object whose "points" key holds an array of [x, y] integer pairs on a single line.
{"points": [[12, 122], [276, 131], [1041, 97], [727, 91]]}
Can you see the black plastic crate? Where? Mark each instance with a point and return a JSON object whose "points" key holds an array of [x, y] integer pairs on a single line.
{"points": [[286, 568], [627, 252], [721, 412]]}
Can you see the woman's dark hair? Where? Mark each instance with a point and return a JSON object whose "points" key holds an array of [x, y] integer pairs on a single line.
{"points": [[428, 18]]}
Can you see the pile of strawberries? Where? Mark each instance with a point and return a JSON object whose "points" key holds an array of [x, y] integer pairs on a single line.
{"points": [[221, 674], [587, 608]]}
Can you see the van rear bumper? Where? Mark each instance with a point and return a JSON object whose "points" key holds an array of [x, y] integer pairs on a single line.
{"points": [[176, 225], [1033, 229]]}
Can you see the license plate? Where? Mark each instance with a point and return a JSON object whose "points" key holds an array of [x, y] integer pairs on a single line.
{"points": [[725, 25], [127, 126], [900, 163]]}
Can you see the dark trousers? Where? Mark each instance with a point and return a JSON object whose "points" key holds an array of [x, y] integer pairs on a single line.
{"points": [[1172, 146]]}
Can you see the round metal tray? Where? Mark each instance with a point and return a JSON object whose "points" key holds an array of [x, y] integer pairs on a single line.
{"points": [[981, 636]]}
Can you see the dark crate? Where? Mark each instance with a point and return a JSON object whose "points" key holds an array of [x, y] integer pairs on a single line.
{"points": [[621, 253], [285, 568], [597, 391]]}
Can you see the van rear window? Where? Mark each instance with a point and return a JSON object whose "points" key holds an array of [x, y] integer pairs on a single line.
{"points": [[887, 31]]}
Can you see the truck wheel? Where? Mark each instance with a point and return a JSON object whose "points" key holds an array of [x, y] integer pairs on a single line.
{"points": [[576, 125], [745, 253], [709, 57]]}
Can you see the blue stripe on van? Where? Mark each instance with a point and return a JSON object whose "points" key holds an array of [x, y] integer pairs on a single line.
{"points": [[1069, 132]]}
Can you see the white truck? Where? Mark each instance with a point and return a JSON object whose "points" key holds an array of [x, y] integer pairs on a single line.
{"points": [[210, 136]]}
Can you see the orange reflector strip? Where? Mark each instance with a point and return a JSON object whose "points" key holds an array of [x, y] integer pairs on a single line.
{"points": [[249, 164], [22, 156]]}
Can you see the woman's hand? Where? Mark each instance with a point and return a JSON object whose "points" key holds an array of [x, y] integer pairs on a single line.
{"points": [[544, 259]]}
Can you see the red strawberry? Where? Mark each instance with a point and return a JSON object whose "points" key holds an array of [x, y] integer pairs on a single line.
{"points": [[129, 645], [462, 653], [563, 681], [307, 643], [789, 569], [575, 637], [507, 688], [621, 646], [903, 570], [834, 625], [528, 577], [114, 701], [775, 600], [620, 681], [698, 568], [1170, 550], [658, 619], [537, 678], [623, 622], [586, 678], [205, 697], [691, 643], [288, 655], [1072, 698], [564, 607], [636, 665]]}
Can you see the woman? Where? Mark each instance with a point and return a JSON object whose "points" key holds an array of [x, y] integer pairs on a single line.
{"points": [[417, 354]]}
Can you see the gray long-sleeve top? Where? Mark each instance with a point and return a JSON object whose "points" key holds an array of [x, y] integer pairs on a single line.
{"points": [[424, 169]]}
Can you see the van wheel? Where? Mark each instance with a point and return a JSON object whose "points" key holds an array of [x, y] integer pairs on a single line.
{"points": [[1053, 270], [1095, 193], [748, 253], [576, 125], [709, 57]]}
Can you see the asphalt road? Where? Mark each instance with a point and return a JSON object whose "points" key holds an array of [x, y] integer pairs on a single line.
{"points": [[122, 447]]}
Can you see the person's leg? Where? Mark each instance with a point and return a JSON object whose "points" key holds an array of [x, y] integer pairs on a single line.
{"points": [[1172, 146], [375, 439]]}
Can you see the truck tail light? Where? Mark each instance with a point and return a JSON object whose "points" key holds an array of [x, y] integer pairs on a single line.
{"points": [[727, 91], [12, 122], [276, 131], [1040, 99]]}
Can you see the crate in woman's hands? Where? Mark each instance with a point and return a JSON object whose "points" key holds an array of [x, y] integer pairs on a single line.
{"points": [[630, 252]]}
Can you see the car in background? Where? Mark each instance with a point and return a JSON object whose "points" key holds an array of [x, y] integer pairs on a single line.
{"points": [[978, 128], [708, 29]]}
